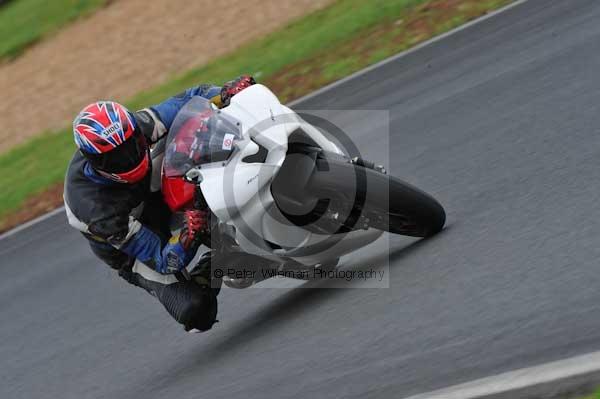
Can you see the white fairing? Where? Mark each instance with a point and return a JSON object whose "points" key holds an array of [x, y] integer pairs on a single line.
{"points": [[239, 193]]}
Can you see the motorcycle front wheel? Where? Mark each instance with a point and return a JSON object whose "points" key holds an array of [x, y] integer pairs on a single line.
{"points": [[382, 202]]}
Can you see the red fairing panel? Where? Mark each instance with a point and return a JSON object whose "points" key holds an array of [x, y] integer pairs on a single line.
{"points": [[177, 193]]}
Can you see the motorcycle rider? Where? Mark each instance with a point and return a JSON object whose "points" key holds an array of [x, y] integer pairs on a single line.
{"points": [[111, 196]]}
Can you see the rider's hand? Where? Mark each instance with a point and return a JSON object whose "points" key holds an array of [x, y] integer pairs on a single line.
{"points": [[233, 87], [180, 251], [195, 224]]}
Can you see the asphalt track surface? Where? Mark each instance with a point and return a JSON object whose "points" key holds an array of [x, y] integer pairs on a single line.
{"points": [[499, 121]]}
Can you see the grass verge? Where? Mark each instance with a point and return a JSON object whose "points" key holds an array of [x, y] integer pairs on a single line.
{"points": [[24, 22], [309, 53], [595, 395]]}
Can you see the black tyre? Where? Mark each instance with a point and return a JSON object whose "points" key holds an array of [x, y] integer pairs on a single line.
{"points": [[379, 200]]}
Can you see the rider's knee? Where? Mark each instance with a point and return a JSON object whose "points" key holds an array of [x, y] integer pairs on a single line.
{"points": [[192, 306], [200, 313]]}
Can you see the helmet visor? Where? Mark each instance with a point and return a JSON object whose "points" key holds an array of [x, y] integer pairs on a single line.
{"points": [[123, 158]]}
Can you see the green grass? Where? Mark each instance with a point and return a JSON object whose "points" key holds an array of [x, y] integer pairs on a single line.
{"points": [[24, 22], [318, 48], [595, 395], [31, 168]]}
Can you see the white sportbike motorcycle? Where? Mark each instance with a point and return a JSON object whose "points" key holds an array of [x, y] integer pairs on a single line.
{"points": [[283, 195]]}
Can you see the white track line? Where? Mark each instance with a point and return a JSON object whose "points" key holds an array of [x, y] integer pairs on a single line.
{"points": [[521, 379], [323, 89], [32, 222]]}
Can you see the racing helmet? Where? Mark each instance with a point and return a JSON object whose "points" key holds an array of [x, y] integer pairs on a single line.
{"points": [[107, 136]]}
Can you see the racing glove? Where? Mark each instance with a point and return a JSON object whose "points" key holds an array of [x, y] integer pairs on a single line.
{"points": [[233, 87], [181, 249]]}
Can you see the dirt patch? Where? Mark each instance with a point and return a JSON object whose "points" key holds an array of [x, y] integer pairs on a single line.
{"points": [[38, 205], [124, 48]]}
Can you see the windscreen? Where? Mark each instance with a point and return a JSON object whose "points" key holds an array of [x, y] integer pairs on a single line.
{"points": [[199, 135]]}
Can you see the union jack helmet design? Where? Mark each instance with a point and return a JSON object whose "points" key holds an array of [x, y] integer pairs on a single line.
{"points": [[106, 134], [102, 126]]}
